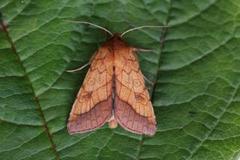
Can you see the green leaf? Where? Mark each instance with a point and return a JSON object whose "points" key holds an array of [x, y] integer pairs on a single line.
{"points": [[195, 63]]}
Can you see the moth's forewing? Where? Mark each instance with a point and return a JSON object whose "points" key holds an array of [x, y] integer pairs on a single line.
{"points": [[133, 108], [93, 104]]}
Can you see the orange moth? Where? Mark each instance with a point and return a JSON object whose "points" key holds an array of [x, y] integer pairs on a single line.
{"points": [[113, 91]]}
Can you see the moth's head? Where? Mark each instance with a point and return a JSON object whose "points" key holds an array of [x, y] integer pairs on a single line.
{"points": [[116, 37], [116, 41]]}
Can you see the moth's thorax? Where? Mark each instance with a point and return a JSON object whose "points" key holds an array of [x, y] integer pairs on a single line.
{"points": [[116, 43]]}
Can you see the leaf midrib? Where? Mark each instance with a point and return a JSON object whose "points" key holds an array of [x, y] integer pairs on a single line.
{"points": [[45, 126]]}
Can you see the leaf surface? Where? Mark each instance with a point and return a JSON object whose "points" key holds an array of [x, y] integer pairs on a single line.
{"points": [[194, 63]]}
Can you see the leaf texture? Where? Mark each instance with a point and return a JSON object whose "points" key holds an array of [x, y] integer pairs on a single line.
{"points": [[195, 63]]}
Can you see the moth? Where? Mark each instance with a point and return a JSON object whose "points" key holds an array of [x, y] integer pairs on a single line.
{"points": [[113, 91]]}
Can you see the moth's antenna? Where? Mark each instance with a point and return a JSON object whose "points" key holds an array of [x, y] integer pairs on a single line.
{"points": [[95, 25], [140, 27]]}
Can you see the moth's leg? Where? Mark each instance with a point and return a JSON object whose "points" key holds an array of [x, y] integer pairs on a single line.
{"points": [[80, 68], [136, 50], [142, 50], [151, 83], [84, 66], [148, 80]]}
